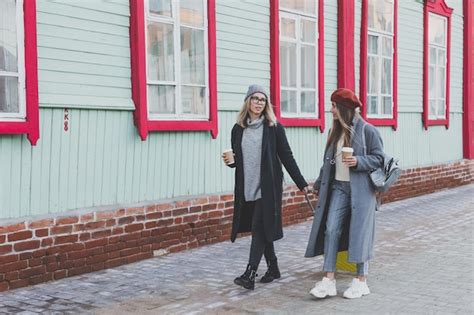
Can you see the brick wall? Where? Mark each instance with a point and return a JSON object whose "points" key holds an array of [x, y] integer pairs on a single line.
{"points": [[36, 251]]}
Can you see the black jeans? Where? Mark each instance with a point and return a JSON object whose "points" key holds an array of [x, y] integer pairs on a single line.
{"points": [[260, 246]]}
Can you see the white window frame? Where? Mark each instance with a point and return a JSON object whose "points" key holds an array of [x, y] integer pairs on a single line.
{"points": [[21, 115], [298, 16], [380, 57], [436, 65], [175, 21]]}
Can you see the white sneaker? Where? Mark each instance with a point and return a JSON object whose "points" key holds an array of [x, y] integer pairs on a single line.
{"points": [[324, 288], [357, 289]]}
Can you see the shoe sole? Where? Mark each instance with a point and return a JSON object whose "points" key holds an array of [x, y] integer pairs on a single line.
{"points": [[356, 297], [322, 297]]}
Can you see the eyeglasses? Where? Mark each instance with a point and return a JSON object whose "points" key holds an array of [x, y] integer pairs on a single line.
{"points": [[256, 100]]}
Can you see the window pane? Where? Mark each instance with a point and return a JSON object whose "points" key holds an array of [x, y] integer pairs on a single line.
{"points": [[161, 7], [373, 45], [372, 105], [288, 101], [373, 75], [308, 66], [431, 82], [387, 105], [8, 36], [432, 111], [441, 58], [308, 102], [288, 28], [9, 95], [193, 100], [381, 15], [432, 60], [161, 99], [441, 83], [306, 6], [308, 31], [387, 76], [160, 59], [437, 30], [288, 64], [191, 12], [192, 56], [442, 108], [387, 46]]}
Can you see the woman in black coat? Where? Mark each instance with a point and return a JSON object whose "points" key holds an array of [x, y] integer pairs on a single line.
{"points": [[260, 147]]}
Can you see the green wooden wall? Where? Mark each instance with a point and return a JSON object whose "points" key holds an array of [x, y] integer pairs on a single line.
{"points": [[100, 161]]}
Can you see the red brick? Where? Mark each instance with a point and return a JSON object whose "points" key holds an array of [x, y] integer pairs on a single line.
{"points": [[41, 232], [4, 286], [67, 220], [97, 259], [129, 251], [191, 218], [66, 239], [154, 215], [105, 215], [95, 243], [26, 245], [84, 237], [134, 211], [13, 275], [226, 197], [87, 218], [61, 229], [117, 230], [195, 209], [8, 259], [164, 206], [98, 266], [94, 225], [133, 227], [18, 265], [78, 271], [35, 262], [178, 212], [2, 239], [119, 213], [12, 228], [18, 236], [5, 249], [18, 283], [47, 242], [150, 208], [150, 225], [116, 262], [110, 222], [101, 234], [60, 274], [211, 206], [126, 220], [79, 262], [26, 273]]}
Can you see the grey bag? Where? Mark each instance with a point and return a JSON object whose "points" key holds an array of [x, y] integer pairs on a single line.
{"points": [[383, 177]]}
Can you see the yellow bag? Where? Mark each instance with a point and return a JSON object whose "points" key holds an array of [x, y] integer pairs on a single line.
{"points": [[343, 264]]}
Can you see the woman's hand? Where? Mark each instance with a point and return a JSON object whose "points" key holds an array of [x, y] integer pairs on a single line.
{"points": [[227, 160], [350, 161]]}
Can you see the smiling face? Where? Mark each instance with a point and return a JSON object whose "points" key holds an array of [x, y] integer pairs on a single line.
{"points": [[334, 111], [258, 101]]}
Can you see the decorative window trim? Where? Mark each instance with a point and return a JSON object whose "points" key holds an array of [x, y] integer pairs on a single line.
{"points": [[363, 67], [468, 82], [275, 69], [30, 125], [438, 7], [139, 79]]}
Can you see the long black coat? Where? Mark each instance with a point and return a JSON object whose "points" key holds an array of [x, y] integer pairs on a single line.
{"points": [[275, 148]]}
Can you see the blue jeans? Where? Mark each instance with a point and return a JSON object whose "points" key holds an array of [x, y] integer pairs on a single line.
{"points": [[339, 208]]}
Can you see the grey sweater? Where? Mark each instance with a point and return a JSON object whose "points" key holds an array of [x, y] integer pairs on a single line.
{"points": [[252, 156]]}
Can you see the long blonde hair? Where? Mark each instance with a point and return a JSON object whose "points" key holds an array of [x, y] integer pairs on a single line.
{"points": [[342, 126], [244, 114]]}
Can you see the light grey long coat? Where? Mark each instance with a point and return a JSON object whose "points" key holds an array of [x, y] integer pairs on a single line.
{"points": [[358, 231]]}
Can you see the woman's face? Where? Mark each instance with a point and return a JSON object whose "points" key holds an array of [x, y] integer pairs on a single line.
{"points": [[258, 101], [334, 111]]}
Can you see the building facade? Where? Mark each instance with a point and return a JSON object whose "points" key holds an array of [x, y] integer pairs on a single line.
{"points": [[114, 114]]}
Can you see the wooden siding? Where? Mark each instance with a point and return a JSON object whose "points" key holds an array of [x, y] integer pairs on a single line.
{"points": [[84, 54]]}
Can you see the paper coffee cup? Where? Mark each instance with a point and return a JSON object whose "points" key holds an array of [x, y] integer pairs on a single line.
{"points": [[347, 152], [229, 154]]}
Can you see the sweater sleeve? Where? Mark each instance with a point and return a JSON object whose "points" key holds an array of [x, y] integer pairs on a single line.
{"points": [[375, 155], [286, 157]]}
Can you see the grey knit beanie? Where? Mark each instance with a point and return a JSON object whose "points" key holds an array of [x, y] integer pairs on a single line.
{"points": [[254, 88]]}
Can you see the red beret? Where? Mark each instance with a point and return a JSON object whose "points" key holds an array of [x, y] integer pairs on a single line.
{"points": [[346, 98]]}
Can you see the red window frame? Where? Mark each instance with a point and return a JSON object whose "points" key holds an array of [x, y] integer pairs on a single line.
{"points": [[275, 69], [139, 84], [363, 67], [30, 126], [441, 8]]}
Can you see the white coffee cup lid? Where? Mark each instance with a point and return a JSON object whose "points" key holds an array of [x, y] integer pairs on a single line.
{"points": [[228, 150], [347, 149]]}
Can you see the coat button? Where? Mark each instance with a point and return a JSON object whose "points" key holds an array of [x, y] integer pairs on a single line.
{"points": [[324, 183]]}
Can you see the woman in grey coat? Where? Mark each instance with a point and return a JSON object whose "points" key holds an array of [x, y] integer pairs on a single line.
{"points": [[345, 213]]}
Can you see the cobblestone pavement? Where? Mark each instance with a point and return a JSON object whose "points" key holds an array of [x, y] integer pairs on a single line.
{"points": [[424, 264]]}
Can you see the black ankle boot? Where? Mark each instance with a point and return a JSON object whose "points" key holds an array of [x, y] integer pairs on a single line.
{"points": [[272, 273], [247, 280]]}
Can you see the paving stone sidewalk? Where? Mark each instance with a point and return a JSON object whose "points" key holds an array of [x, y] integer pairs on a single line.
{"points": [[424, 264]]}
